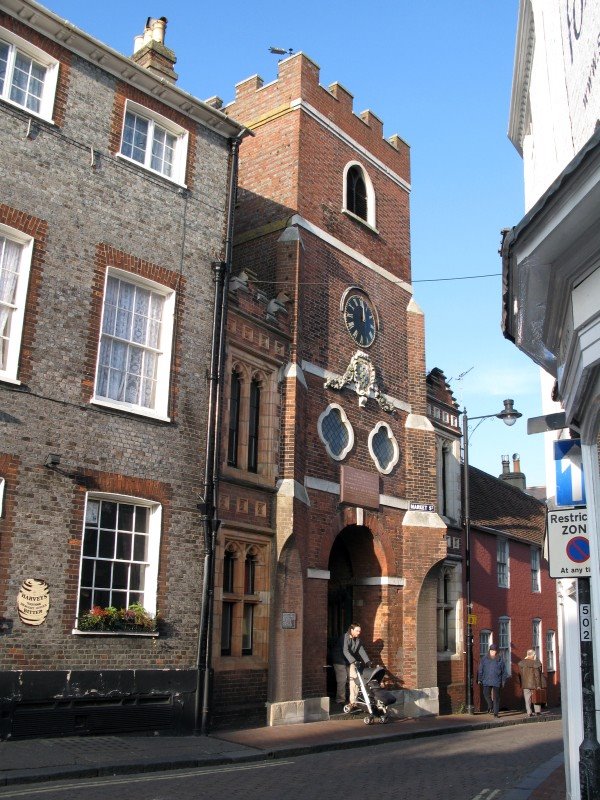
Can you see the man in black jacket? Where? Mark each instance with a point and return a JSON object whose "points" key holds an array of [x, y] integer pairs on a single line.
{"points": [[344, 657]]}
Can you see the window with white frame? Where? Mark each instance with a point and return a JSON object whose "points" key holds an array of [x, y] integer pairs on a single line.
{"points": [[485, 640], [550, 651], [502, 563], [383, 448], [15, 261], [119, 553], [535, 569], [536, 637], [504, 640], [134, 358], [359, 195], [335, 431], [154, 142], [28, 75]]}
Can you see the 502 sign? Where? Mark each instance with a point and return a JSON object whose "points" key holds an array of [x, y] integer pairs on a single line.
{"points": [[585, 623]]}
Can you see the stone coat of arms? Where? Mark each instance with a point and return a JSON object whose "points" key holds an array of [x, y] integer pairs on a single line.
{"points": [[360, 375]]}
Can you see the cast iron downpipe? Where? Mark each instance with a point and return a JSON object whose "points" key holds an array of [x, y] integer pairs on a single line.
{"points": [[209, 501]]}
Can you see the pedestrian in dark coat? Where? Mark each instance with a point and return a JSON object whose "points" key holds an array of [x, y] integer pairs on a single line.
{"points": [[492, 675], [530, 669], [345, 653]]}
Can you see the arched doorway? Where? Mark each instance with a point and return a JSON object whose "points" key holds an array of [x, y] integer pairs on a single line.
{"points": [[354, 590]]}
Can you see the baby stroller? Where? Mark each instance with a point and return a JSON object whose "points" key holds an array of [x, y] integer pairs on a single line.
{"points": [[371, 696]]}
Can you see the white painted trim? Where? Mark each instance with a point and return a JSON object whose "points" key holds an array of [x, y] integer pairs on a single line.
{"points": [[332, 128], [47, 61], [371, 219], [394, 502], [17, 321], [296, 219], [319, 574], [418, 422], [360, 516], [423, 519], [322, 486], [383, 580], [326, 374], [2, 485], [288, 487], [294, 370], [181, 142]]}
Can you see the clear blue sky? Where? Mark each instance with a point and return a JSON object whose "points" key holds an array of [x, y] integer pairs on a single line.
{"points": [[439, 75]]}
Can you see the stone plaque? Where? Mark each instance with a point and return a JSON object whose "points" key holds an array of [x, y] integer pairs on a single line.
{"points": [[33, 601], [288, 619], [359, 488]]}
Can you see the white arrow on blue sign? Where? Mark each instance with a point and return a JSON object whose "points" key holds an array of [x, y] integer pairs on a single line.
{"points": [[570, 485]]}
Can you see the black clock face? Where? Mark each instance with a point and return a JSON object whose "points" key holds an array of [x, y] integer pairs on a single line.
{"points": [[360, 320]]}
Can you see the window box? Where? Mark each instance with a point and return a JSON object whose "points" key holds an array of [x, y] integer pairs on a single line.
{"points": [[134, 619]]}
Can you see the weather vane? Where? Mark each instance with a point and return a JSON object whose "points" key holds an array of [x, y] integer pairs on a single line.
{"points": [[280, 51]]}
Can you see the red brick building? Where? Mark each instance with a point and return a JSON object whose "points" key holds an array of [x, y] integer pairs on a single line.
{"points": [[346, 447], [514, 599]]}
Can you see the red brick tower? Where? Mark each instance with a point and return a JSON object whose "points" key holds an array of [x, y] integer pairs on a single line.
{"points": [[323, 224]]}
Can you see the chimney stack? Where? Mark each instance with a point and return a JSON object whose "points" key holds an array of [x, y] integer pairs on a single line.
{"points": [[149, 50], [516, 478]]}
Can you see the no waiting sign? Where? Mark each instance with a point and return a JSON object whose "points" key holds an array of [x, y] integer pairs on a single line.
{"points": [[568, 543]]}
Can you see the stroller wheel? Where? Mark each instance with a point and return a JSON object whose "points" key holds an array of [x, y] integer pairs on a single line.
{"points": [[368, 720], [383, 719], [347, 708]]}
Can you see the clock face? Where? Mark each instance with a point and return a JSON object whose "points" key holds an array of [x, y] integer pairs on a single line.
{"points": [[360, 320]]}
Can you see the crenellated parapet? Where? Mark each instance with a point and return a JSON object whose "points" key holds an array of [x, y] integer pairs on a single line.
{"points": [[297, 87]]}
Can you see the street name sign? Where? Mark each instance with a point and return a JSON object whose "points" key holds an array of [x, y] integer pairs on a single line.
{"points": [[568, 543], [570, 486]]}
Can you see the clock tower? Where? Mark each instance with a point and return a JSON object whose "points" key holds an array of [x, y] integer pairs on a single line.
{"points": [[351, 532]]}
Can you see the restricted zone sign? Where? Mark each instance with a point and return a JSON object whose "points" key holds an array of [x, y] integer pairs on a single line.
{"points": [[568, 543]]}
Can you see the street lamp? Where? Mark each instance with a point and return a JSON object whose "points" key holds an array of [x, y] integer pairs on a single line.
{"points": [[509, 416]]}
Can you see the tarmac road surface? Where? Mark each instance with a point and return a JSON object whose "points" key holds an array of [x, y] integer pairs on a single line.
{"points": [[476, 765]]}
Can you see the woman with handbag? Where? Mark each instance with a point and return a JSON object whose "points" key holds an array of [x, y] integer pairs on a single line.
{"points": [[533, 682]]}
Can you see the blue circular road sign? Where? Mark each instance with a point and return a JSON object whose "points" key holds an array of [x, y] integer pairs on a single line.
{"points": [[578, 549]]}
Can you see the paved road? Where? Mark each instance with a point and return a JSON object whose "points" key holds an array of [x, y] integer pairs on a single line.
{"points": [[482, 765]]}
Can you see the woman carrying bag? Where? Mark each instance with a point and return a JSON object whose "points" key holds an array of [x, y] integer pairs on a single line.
{"points": [[533, 683]]}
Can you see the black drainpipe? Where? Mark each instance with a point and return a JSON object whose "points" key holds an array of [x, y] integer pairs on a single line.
{"points": [[209, 502]]}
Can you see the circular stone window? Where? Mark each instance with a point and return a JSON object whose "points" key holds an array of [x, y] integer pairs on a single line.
{"points": [[335, 431], [383, 448]]}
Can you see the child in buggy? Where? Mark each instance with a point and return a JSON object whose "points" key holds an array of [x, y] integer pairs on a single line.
{"points": [[371, 696]]}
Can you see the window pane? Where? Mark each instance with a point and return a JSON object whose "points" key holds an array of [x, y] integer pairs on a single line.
{"points": [[103, 574], [87, 572], [10, 259], [108, 516], [135, 135], [27, 83], [141, 519], [383, 447], [125, 517], [124, 542], [106, 547], [226, 620], [139, 547], [120, 575], [247, 625], [90, 542], [335, 432]]}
